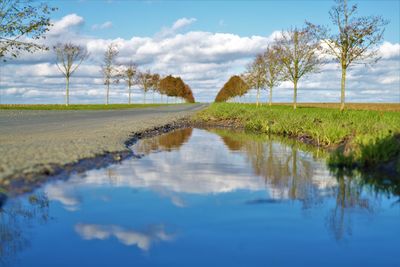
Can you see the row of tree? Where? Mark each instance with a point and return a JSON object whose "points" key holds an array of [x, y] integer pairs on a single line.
{"points": [[24, 21], [298, 52], [70, 57]]}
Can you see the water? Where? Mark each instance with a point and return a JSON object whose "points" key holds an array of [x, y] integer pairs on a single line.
{"points": [[206, 198]]}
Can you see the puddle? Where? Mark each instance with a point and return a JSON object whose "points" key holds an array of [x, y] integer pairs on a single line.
{"points": [[206, 198]]}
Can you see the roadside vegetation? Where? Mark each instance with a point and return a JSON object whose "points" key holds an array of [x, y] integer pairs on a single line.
{"points": [[355, 138]]}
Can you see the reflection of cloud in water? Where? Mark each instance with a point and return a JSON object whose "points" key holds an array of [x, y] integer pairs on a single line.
{"points": [[65, 193], [142, 240], [204, 165]]}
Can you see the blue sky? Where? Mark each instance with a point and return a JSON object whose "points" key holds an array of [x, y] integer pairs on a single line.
{"points": [[204, 42], [245, 18]]}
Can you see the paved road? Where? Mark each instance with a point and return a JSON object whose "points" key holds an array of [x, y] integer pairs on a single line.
{"points": [[32, 138]]}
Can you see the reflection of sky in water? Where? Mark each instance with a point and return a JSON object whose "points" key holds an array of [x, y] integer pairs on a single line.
{"points": [[202, 166], [198, 198]]}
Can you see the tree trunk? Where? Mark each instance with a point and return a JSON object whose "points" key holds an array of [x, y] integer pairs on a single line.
{"points": [[67, 91], [295, 95], [258, 96], [144, 97], [293, 186], [108, 93], [343, 88], [129, 93], [270, 96]]}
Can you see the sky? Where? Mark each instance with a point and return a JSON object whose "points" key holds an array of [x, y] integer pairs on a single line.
{"points": [[204, 42]]}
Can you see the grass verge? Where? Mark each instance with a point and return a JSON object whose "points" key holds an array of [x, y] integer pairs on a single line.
{"points": [[363, 139], [79, 106]]}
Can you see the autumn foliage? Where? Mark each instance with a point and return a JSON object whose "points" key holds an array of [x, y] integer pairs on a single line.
{"points": [[175, 87], [235, 86]]}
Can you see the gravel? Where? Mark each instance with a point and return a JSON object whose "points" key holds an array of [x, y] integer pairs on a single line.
{"points": [[33, 140]]}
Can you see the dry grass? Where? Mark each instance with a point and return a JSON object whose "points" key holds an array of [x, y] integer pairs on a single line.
{"points": [[352, 106]]}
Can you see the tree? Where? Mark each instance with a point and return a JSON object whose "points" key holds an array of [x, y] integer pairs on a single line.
{"points": [[22, 22], [257, 73], [188, 95], [145, 80], [155, 82], [235, 86], [175, 87], [297, 51], [108, 69], [128, 73], [273, 74], [355, 41], [69, 58]]}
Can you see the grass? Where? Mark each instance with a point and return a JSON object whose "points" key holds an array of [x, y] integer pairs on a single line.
{"points": [[78, 106], [359, 138]]}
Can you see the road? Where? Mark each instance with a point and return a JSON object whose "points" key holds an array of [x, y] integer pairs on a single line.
{"points": [[31, 139]]}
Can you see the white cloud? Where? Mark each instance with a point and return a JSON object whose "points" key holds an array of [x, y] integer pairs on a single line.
{"points": [[183, 22], [388, 50], [66, 24], [176, 26], [105, 25]]}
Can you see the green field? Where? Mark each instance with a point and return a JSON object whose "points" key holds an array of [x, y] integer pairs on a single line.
{"points": [[79, 106], [356, 138]]}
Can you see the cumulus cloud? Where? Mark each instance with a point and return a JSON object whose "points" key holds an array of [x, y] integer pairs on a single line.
{"points": [[105, 25], [205, 60], [388, 50], [66, 24]]}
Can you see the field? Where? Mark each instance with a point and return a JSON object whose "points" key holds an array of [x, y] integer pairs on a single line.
{"points": [[363, 138], [78, 107], [349, 106]]}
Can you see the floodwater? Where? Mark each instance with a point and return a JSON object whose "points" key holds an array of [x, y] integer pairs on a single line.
{"points": [[207, 198]]}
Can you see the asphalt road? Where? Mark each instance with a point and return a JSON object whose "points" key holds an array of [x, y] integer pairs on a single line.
{"points": [[29, 139]]}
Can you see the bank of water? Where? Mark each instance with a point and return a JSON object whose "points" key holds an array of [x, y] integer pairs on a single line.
{"points": [[197, 197]]}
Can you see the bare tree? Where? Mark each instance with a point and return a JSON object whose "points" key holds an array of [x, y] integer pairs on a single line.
{"points": [[145, 80], [257, 74], [355, 40], [108, 68], [128, 73], [155, 83], [19, 19], [273, 74], [69, 58], [297, 50]]}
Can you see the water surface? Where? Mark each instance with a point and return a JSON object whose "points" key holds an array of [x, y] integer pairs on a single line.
{"points": [[206, 198]]}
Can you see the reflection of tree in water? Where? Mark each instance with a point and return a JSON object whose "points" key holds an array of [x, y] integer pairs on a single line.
{"points": [[15, 217], [165, 142], [350, 198], [289, 174], [286, 171]]}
